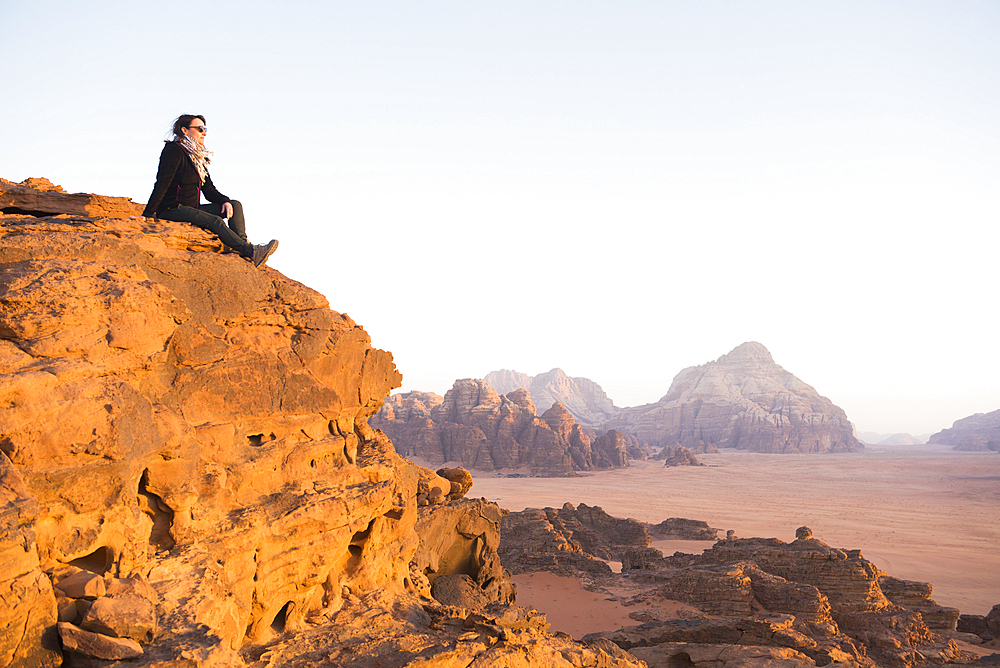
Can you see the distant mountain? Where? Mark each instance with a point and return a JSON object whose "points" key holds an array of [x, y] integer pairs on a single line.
{"points": [[741, 400], [582, 397], [876, 438], [979, 432]]}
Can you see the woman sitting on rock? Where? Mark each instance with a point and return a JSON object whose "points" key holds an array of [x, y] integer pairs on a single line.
{"points": [[181, 179]]}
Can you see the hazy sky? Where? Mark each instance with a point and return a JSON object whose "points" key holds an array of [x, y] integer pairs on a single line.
{"points": [[617, 189]]}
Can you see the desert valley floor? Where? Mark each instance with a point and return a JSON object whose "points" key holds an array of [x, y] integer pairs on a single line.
{"points": [[922, 513]]}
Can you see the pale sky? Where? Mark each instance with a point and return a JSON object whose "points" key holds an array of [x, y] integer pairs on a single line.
{"points": [[617, 189]]}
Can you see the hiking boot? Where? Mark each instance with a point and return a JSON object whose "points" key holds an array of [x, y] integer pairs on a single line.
{"points": [[263, 251]]}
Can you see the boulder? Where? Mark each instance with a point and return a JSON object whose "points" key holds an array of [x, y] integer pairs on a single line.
{"points": [[459, 590], [83, 584], [461, 481], [97, 645], [122, 616]]}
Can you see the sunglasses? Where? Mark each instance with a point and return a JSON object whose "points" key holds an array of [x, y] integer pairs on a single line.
{"points": [[200, 128]]}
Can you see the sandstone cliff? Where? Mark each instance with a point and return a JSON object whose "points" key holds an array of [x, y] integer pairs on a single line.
{"points": [[741, 400], [478, 428], [187, 475], [582, 397], [979, 432]]}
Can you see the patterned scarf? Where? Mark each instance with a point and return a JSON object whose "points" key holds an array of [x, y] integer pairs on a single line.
{"points": [[200, 155]]}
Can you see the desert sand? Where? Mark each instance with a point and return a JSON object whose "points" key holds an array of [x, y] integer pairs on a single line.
{"points": [[921, 513]]}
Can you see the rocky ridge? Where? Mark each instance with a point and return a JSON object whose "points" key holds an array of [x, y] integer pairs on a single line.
{"points": [[480, 429], [184, 432], [741, 400], [976, 433], [755, 601], [582, 397]]}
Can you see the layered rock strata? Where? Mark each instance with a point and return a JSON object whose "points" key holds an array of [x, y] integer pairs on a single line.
{"points": [[582, 397], [742, 602], [742, 400], [987, 627], [172, 415], [478, 428], [683, 529], [832, 594], [568, 540], [976, 433]]}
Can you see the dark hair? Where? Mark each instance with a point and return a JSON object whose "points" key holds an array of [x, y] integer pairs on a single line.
{"points": [[183, 121]]}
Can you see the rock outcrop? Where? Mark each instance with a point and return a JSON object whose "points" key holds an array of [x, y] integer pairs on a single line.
{"points": [[976, 433], [478, 428], [582, 397], [834, 596], [987, 627], [683, 529], [742, 400], [677, 455], [568, 540], [181, 430], [458, 545], [751, 601]]}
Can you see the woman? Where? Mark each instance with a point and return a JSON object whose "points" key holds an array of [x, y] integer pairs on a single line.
{"points": [[181, 179]]}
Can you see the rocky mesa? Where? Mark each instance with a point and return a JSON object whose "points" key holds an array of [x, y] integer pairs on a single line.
{"points": [[742, 400], [188, 477], [976, 433]]}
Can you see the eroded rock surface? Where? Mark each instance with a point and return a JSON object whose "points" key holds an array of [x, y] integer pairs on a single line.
{"points": [[741, 400], [182, 430], [833, 597], [742, 602], [569, 540]]}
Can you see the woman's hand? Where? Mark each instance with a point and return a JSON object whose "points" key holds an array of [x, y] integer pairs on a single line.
{"points": [[227, 210]]}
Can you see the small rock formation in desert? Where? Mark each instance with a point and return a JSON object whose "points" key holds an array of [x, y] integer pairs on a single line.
{"points": [[976, 433], [742, 400], [188, 477], [677, 455], [582, 397], [743, 602], [482, 430]]}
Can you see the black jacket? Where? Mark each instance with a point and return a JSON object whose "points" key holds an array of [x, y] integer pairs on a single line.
{"points": [[177, 183]]}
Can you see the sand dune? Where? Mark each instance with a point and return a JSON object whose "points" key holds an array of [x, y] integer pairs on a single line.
{"points": [[918, 512]]}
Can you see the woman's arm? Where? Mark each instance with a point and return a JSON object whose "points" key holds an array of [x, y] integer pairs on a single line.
{"points": [[170, 160], [212, 193]]}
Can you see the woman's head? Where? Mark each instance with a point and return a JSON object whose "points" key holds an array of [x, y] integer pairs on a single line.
{"points": [[189, 125]]}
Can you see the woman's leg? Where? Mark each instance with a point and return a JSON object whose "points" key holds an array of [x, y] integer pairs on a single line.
{"points": [[211, 222], [236, 222]]}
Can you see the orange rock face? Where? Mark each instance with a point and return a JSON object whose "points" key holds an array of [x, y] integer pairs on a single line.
{"points": [[181, 430], [157, 395]]}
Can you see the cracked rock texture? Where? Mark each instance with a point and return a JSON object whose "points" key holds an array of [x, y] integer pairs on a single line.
{"points": [[172, 415], [742, 400]]}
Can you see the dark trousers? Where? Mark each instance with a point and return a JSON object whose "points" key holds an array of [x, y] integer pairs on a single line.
{"points": [[209, 217]]}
